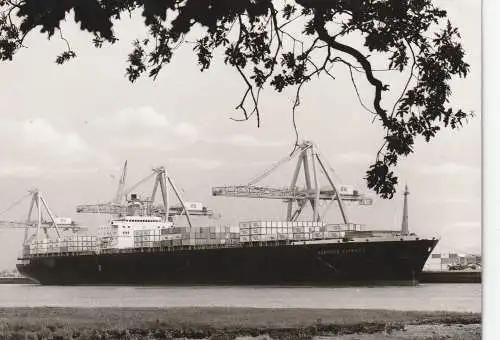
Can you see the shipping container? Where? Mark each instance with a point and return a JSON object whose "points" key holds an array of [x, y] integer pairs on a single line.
{"points": [[346, 189], [201, 241], [194, 206], [318, 235], [283, 236], [297, 230], [189, 242], [63, 220]]}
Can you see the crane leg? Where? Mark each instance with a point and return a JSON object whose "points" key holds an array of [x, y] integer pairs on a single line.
{"points": [[28, 220], [307, 176], [293, 186]]}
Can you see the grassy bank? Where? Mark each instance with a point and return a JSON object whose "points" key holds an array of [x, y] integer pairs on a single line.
{"points": [[216, 323]]}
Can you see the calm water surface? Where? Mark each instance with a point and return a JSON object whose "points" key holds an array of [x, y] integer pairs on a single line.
{"points": [[448, 297]]}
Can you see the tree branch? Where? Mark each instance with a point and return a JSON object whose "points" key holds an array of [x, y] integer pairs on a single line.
{"points": [[319, 24], [408, 81]]}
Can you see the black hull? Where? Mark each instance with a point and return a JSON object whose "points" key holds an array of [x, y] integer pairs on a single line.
{"points": [[394, 262]]}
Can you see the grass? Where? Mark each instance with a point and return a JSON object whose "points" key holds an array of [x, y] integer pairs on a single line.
{"points": [[217, 323]]}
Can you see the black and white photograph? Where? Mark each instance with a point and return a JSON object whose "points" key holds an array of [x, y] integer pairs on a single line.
{"points": [[242, 169]]}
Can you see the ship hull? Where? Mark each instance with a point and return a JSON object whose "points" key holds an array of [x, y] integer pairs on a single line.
{"points": [[344, 263]]}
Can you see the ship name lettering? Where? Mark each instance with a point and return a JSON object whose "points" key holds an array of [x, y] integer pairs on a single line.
{"points": [[341, 251]]}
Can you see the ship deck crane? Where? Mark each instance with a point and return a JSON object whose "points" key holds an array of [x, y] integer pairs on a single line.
{"points": [[162, 178], [310, 160]]}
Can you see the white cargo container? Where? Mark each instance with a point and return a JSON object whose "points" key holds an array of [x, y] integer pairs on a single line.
{"points": [[63, 220], [284, 236], [318, 235], [167, 237], [346, 189], [256, 238], [333, 227], [194, 206], [334, 234]]}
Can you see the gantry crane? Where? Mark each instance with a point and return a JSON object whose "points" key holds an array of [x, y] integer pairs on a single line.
{"points": [[40, 222], [309, 158], [147, 207]]}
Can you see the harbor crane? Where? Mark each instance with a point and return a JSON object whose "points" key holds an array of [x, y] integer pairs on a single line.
{"points": [[144, 206], [310, 160], [40, 222]]}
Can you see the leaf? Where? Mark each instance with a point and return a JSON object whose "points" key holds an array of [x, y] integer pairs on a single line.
{"points": [[65, 56]]}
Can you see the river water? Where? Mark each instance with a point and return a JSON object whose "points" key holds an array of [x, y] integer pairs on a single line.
{"points": [[425, 297]]}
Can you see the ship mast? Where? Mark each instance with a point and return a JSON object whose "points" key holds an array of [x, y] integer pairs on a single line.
{"points": [[404, 224]]}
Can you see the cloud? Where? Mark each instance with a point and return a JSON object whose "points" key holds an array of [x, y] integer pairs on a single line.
{"points": [[354, 157], [36, 148], [449, 168], [144, 128], [17, 170], [11, 170], [204, 164], [141, 117], [39, 134], [36, 137], [187, 130], [243, 140]]}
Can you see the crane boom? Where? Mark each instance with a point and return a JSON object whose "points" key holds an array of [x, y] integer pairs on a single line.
{"points": [[286, 193], [121, 185]]}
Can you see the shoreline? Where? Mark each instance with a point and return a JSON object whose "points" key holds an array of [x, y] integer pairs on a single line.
{"points": [[427, 276], [232, 323]]}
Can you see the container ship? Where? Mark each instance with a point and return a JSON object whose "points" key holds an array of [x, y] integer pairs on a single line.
{"points": [[144, 244]]}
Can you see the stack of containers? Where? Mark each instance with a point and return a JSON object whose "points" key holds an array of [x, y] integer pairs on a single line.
{"points": [[39, 247], [172, 236], [245, 231], [147, 238], [79, 243], [53, 246], [184, 236], [67, 244], [266, 231], [353, 227], [334, 231]]}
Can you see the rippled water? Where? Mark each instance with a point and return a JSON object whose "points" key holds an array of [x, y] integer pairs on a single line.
{"points": [[449, 297]]}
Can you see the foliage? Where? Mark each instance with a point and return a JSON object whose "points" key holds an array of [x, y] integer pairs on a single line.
{"points": [[256, 39]]}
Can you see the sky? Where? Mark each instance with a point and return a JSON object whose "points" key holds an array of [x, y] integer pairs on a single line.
{"points": [[68, 129]]}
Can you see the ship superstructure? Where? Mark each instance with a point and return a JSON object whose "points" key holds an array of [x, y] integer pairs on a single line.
{"points": [[142, 244]]}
